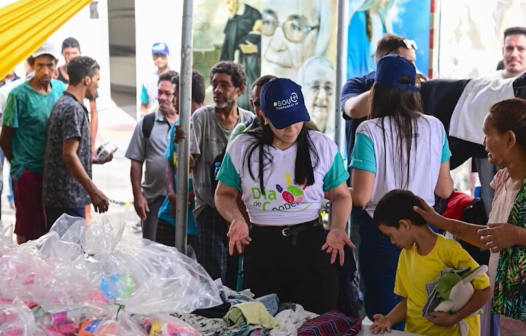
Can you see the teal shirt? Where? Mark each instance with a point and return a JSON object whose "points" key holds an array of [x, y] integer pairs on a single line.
{"points": [[166, 207], [28, 111]]}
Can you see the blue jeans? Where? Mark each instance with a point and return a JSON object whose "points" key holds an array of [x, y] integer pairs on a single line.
{"points": [[11, 196], [378, 260], [54, 213]]}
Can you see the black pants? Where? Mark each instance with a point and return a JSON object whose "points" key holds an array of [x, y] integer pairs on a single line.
{"points": [[166, 235], [300, 273]]}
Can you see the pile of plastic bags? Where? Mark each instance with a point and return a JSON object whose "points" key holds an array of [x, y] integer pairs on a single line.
{"points": [[87, 279]]}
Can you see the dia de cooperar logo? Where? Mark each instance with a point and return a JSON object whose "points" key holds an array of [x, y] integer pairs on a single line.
{"points": [[293, 193]]}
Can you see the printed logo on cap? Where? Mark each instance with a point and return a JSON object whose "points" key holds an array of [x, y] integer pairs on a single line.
{"points": [[287, 103], [160, 47]]}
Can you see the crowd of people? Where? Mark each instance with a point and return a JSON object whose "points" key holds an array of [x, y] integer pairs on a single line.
{"points": [[258, 178]]}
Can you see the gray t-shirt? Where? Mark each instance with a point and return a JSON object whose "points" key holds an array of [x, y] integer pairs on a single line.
{"points": [[151, 152], [208, 139], [68, 120]]}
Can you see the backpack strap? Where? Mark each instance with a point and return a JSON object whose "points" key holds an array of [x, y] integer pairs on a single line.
{"points": [[147, 125]]}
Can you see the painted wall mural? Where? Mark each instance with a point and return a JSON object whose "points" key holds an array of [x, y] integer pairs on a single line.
{"points": [[293, 38], [371, 19]]}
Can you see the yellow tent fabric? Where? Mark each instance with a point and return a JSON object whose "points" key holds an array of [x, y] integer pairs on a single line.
{"points": [[26, 24]]}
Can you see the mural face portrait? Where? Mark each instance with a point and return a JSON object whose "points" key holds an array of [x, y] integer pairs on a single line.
{"points": [[318, 82], [289, 35], [231, 5]]}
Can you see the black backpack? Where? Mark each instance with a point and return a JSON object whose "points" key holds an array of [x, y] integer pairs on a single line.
{"points": [[147, 125], [475, 213]]}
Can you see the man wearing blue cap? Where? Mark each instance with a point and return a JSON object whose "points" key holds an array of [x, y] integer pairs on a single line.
{"points": [[160, 55]]}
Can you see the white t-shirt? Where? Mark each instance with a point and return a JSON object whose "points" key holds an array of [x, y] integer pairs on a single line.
{"points": [[381, 155], [496, 75], [284, 201]]}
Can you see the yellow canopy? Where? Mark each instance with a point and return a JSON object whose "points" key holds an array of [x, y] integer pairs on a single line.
{"points": [[26, 24]]}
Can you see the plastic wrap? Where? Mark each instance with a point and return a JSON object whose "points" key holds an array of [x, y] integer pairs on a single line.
{"points": [[90, 277], [6, 237], [16, 319], [154, 279]]}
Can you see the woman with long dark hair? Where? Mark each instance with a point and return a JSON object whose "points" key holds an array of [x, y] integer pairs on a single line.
{"points": [[283, 171], [397, 148]]}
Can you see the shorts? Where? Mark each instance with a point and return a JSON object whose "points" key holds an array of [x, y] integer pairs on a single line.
{"points": [[30, 213]]}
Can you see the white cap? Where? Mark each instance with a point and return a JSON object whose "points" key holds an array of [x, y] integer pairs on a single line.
{"points": [[46, 49]]}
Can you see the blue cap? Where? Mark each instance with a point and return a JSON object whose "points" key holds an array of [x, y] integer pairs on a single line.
{"points": [[392, 67], [282, 103], [160, 48]]}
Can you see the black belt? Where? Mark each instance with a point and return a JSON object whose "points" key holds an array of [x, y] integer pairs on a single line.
{"points": [[293, 230]]}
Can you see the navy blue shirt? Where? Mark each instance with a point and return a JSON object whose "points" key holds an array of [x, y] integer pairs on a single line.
{"points": [[353, 88]]}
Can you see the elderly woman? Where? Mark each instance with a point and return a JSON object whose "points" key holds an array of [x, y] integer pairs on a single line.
{"points": [[283, 170], [505, 141]]}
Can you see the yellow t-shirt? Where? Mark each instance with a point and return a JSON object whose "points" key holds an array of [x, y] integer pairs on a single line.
{"points": [[415, 271]]}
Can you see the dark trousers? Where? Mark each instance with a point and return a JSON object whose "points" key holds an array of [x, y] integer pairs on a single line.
{"points": [[299, 273], [212, 247], [54, 213], [149, 225], [378, 261], [166, 235]]}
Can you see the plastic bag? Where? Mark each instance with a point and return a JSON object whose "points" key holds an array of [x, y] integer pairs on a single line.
{"points": [[166, 326], [6, 237], [77, 253], [151, 278], [123, 326], [16, 319], [84, 271]]}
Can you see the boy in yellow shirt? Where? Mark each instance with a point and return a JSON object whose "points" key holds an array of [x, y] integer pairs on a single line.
{"points": [[424, 255]]}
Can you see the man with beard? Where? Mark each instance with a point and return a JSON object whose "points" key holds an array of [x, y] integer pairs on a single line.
{"points": [[148, 150], [68, 185], [24, 137], [212, 126], [70, 50]]}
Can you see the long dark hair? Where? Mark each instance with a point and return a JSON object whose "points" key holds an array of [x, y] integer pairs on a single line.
{"points": [[403, 107], [262, 138]]}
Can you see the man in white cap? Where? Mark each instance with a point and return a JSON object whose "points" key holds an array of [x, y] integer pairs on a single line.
{"points": [[23, 140]]}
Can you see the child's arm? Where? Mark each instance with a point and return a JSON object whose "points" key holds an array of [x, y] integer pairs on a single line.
{"points": [[477, 301], [383, 323], [397, 314]]}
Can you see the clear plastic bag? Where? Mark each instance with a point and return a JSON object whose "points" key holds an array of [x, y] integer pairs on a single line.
{"points": [[6, 237], [16, 319], [80, 270], [150, 279]]}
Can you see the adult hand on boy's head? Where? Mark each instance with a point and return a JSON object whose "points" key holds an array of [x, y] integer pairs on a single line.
{"points": [[427, 212], [380, 325]]}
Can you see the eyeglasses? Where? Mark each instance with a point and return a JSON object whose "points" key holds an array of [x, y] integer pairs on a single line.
{"points": [[406, 43], [295, 28], [257, 102]]}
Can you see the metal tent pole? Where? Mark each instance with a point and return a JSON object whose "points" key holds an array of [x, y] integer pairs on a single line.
{"points": [[341, 74], [185, 104]]}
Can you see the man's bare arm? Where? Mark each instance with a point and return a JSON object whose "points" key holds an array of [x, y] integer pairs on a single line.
{"points": [[6, 141], [357, 107]]}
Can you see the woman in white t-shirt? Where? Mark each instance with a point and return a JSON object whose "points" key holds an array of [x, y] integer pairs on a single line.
{"points": [[283, 171], [398, 148]]}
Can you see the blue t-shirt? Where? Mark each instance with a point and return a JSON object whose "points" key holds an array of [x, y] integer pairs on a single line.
{"points": [[28, 112], [353, 88], [166, 208]]}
